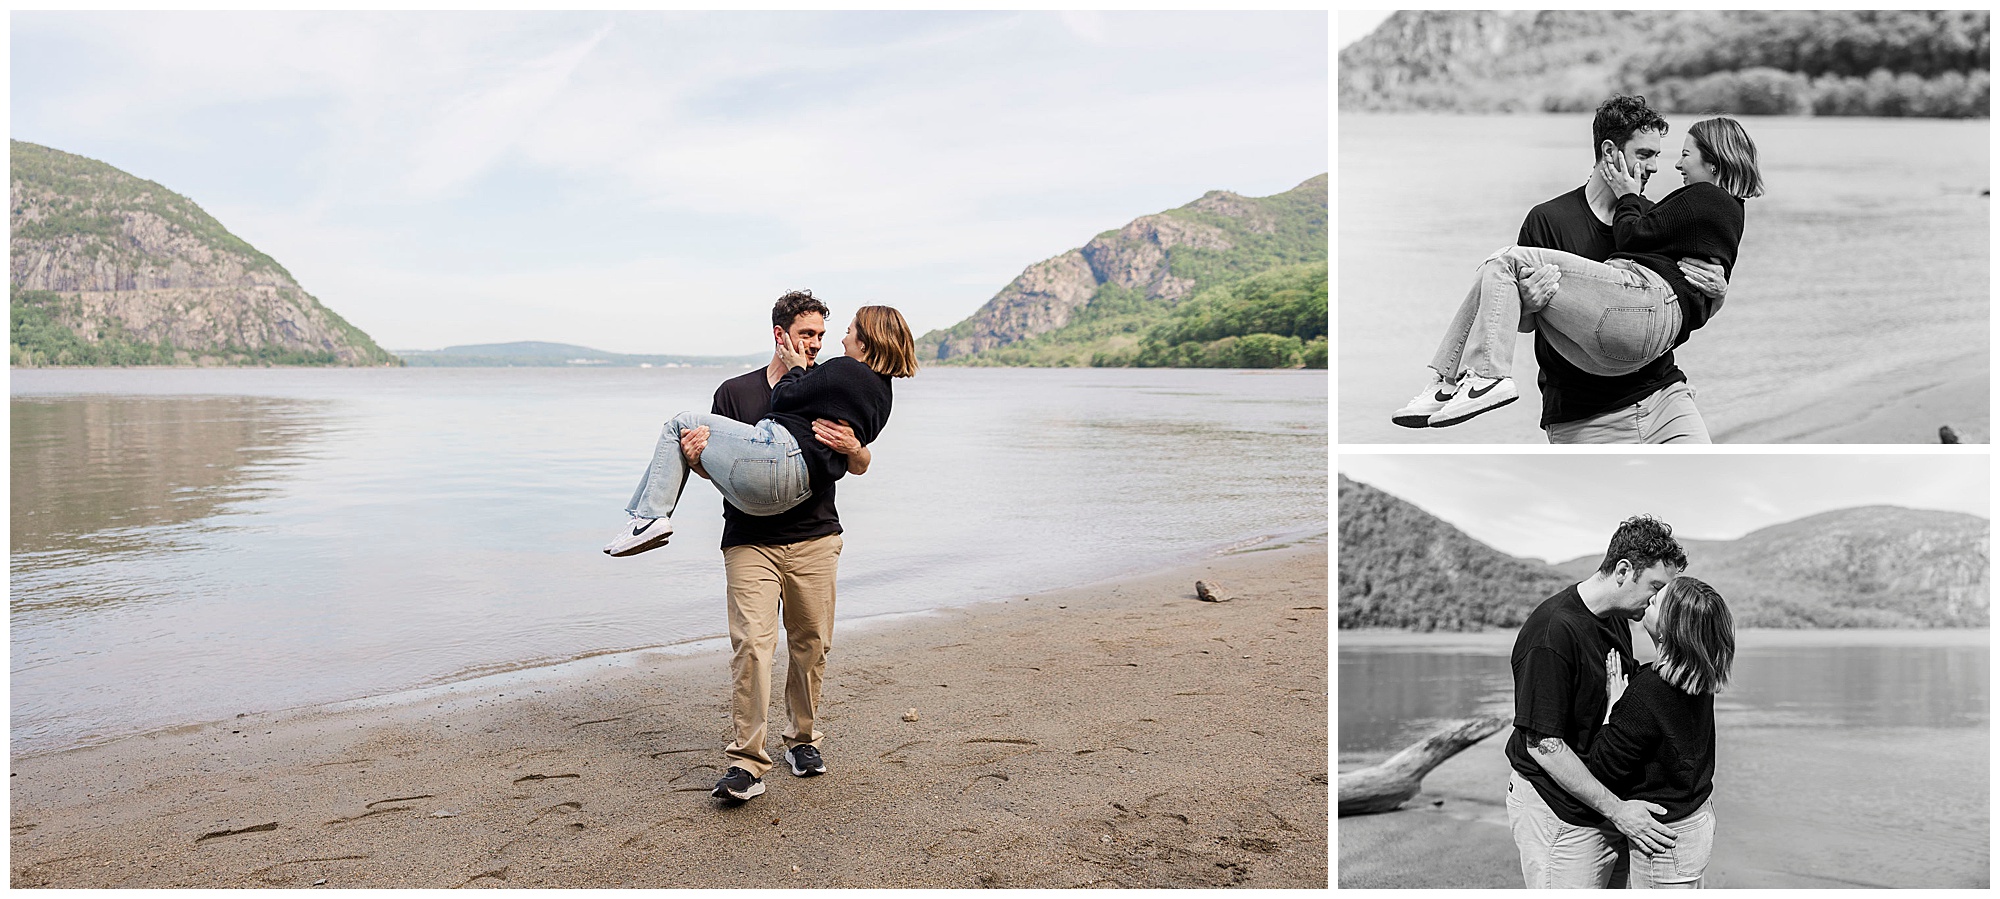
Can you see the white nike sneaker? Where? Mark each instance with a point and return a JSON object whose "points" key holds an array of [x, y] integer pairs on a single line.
{"points": [[639, 535], [1475, 395], [1418, 411]]}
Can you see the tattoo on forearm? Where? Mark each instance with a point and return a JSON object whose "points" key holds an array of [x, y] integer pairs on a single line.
{"points": [[1548, 745]]}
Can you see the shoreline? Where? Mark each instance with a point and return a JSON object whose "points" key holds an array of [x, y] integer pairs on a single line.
{"points": [[1116, 733], [559, 669]]}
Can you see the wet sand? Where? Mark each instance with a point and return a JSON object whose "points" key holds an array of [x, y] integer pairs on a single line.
{"points": [[1904, 407], [1115, 734], [1454, 834]]}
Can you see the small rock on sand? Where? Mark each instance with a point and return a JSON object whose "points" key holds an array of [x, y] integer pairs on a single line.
{"points": [[910, 715], [1208, 592]]}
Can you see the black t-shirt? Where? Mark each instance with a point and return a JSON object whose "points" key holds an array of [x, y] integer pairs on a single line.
{"points": [[1570, 393], [1659, 746], [1564, 662], [747, 398]]}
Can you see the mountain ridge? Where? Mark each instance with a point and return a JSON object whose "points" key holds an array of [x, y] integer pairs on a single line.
{"points": [[541, 353], [1143, 269], [109, 268], [1867, 566]]}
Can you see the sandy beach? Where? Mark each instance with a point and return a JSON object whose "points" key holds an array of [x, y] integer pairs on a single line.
{"points": [[1454, 834], [1115, 734], [1906, 407]]}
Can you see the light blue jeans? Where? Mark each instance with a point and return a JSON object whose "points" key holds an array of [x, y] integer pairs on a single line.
{"points": [[758, 468], [1606, 318]]}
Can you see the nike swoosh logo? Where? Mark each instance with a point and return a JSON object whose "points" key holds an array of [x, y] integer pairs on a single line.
{"points": [[1441, 397], [640, 527], [1476, 393]]}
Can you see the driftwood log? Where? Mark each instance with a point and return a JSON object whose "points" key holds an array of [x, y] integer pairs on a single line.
{"points": [[1383, 787]]}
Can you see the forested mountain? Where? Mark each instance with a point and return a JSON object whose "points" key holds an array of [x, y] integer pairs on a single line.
{"points": [[1403, 567], [1795, 62], [1252, 270], [1874, 566], [109, 269]]}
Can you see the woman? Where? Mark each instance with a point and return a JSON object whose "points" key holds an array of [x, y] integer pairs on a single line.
{"points": [[1608, 318], [770, 467], [1659, 745]]}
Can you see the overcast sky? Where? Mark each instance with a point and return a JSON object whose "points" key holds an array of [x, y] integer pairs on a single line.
{"points": [[1351, 25], [649, 182], [1558, 507]]}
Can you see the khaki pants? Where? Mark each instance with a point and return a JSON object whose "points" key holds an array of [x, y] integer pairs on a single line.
{"points": [[1668, 416], [792, 583], [1558, 855]]}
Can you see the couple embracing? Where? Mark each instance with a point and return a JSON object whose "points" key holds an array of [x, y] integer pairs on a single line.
{"points": [[1609, 283], [1613, 762]]}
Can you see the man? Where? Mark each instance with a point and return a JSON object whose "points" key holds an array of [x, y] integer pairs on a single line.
{"points": [[1571, 661], [1653, 404], [779, 568]]}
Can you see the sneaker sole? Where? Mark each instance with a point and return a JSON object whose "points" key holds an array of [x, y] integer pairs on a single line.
{"points": [[1448, 422], [1413, 421], [807, 772], [654, 543], [756, 790]]}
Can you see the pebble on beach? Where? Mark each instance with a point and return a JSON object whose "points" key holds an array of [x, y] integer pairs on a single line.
{"points": [[1208, 592], [910, 715]]}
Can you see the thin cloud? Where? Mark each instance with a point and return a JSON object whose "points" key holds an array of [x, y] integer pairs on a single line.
{"points": [[932, 155]]}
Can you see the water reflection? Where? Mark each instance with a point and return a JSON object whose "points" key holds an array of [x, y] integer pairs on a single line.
{"points": [[98, 477]]}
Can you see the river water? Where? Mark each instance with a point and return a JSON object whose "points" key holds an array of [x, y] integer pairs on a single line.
{"points": [[192, 544]]}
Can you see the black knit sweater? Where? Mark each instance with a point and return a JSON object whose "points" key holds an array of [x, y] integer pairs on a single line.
{"points": [[843, 389], [1699, 221], [1659, 746]]}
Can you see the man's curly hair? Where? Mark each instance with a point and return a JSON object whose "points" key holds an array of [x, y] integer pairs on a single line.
{"points": [[1644, 541], [1619, 118], [791, 305]]}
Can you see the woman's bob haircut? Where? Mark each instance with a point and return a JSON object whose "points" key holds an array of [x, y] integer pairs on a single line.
{"points": [[1728, 149], [1697, 637], [886, 341]]}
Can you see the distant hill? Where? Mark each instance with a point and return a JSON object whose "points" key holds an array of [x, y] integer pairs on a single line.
{"points": [[1795, 62], [531, 353], [109, 269], [1098, 303], [1403, 567], [1874, 566]]}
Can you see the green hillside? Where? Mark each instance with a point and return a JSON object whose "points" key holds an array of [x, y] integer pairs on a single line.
{"points": [[1225, 281], [111, 269]]}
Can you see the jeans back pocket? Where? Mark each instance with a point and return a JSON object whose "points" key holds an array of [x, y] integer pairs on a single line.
{"points": [[1629, 334], [755, 483]]}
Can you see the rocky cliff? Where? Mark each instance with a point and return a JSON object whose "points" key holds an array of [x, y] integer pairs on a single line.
{"points": [[1162, 258], [1873, 566], [107, 268]]}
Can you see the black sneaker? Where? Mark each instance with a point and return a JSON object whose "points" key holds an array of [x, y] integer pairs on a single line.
{"points": [[805, 760], [737, 784]]}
